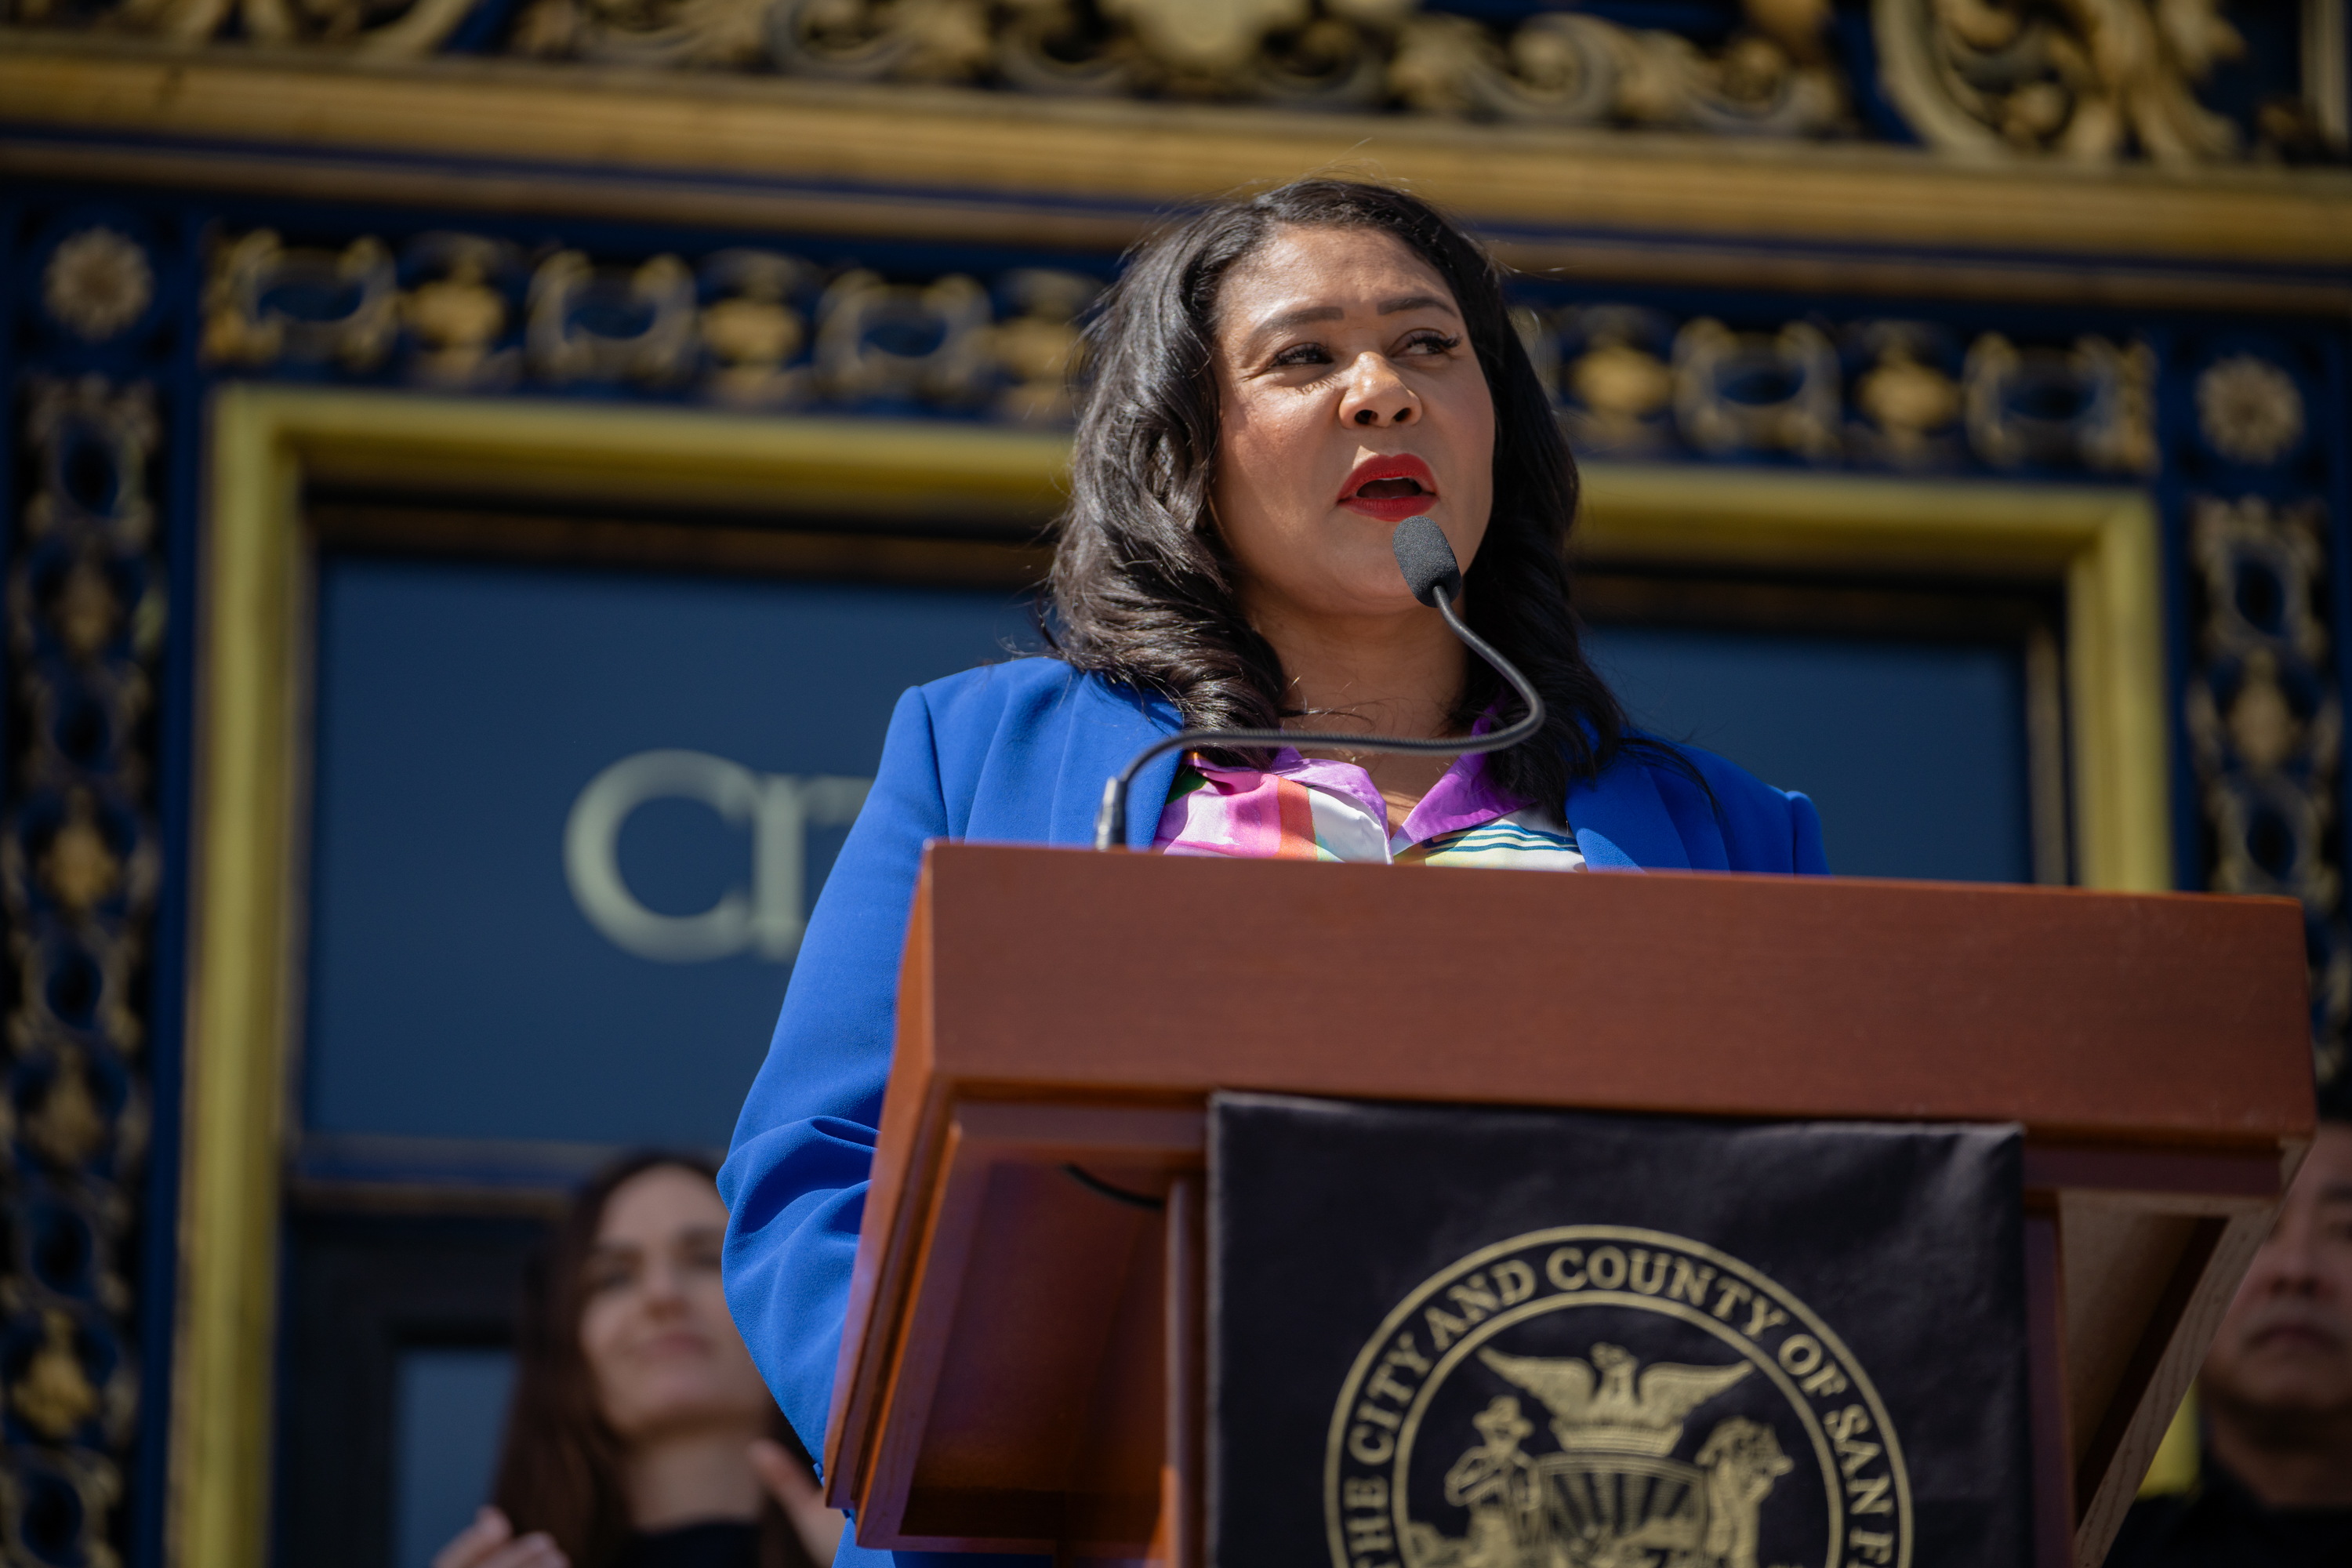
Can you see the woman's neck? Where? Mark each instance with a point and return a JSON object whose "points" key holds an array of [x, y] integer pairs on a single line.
{"points": [[691, 1476], [1390, 675]]}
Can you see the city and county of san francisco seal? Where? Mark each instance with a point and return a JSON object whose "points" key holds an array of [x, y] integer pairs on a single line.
{"points": [[1599, 1396]]}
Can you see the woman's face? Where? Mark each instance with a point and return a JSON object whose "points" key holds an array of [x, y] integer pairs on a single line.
{"points": [[655, 1328], [1349, 400]]}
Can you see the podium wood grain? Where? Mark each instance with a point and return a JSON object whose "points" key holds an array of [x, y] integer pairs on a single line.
{"points": [[1002, 1382]]}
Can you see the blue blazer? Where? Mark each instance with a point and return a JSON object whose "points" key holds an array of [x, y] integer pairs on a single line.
{"points": [[1017, 754]]}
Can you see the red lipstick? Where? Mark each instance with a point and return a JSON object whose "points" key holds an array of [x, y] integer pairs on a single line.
{"points": [[1390, 489]]}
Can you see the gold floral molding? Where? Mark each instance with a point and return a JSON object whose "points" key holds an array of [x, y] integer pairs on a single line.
{"points": [[2098, 81], [741, 327], [1772, 77], [1560, 67], [747, 327], [2086, 79]]}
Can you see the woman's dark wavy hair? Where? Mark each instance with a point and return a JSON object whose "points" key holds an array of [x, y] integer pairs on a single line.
{"points": [[560, 1467], [1143, 586]]}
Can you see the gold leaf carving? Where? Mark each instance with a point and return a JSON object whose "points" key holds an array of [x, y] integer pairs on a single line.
{"points": [[79, 869], [69, 1127], [98, 282], [54, 1396], [2248, 409], [2088, 81]]}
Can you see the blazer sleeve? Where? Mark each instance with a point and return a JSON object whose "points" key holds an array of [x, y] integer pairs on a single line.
{"points": [[1805, 836], [795, 1177]]}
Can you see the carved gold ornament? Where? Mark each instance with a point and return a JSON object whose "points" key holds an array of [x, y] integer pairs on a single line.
{"points": [[747, 327], [2265, 725], [753, 331], [2248, 409], [1776, 391], [2089, 80], [69, 1126], [1906, 401], [2277, 551], [79, 868], [1773, 77], [458, 317], [54, 1396], [593, 323], [265, 302], [1620, 384], [97, 283], [878, 340], [396, 29], [1210, 37], [2093, 403], [1040, 350]]}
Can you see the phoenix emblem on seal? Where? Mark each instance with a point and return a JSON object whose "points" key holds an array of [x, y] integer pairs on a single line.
{"points": [[1609, 1495]]}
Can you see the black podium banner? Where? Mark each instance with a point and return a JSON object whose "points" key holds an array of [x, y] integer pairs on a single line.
{"points": [[1462, 1338]]}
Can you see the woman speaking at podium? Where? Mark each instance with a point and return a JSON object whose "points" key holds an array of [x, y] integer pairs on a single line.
{"points": [[1277, 386]]}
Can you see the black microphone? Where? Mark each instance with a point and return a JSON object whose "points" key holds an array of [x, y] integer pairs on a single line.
{"points": [[1436, 578]]}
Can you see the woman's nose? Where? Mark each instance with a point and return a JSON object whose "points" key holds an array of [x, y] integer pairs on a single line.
{"points": [[1377, 395], [663, 1287]]}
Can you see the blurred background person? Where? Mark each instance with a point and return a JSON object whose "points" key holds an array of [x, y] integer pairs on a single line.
{"points": [[2275, 1484], [641, 1434]]}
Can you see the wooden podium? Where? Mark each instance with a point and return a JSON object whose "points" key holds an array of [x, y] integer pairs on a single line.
{"points": [[1022, 1367]]}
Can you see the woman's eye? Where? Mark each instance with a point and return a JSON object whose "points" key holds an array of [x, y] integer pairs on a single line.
{"points": [[600, 1280], [1430, 343], [1302, 354]]}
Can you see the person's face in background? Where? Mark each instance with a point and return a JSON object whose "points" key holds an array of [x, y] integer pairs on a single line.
{"points": [[655, 1331], [1349, 399], [2284, 1356]]}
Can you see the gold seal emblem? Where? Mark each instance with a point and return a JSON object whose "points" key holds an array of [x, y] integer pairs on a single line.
{"points": [[1628, 1399]]}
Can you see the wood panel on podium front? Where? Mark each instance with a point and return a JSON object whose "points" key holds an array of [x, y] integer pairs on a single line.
{"points": [[1009, 1377]]}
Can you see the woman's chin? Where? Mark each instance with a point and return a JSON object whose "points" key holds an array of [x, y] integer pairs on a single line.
{"points": [[1343, 604], [686, 1399]]}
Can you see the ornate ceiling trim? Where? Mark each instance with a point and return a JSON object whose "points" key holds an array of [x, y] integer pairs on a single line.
{"points": [[845, 144], [1699, 263]]}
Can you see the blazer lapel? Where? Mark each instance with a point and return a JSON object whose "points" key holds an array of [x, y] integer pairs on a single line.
{"points": [[1105, 727]]}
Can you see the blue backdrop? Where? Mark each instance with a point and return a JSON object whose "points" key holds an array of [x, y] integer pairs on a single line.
{"points": [[1914, 752], [458, 987], [462, 986]]}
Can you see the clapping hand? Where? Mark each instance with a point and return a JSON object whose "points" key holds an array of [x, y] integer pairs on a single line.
{"points": [[490, 1542], [795, 1491]]}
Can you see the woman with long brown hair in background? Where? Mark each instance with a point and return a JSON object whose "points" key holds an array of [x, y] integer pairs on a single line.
{"points": [[640, 1435]]}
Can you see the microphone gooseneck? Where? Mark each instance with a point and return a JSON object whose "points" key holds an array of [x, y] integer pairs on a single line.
{"points": [[1436, 578]]}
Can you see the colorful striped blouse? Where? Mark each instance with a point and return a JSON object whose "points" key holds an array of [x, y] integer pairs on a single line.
{"points": [[1299, 809]]}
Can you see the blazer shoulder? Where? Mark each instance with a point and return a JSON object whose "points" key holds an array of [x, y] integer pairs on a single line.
{"points": [[1020, 694], [1727, 778], [1010, 683], [1030, 695], [1763, 827]]}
